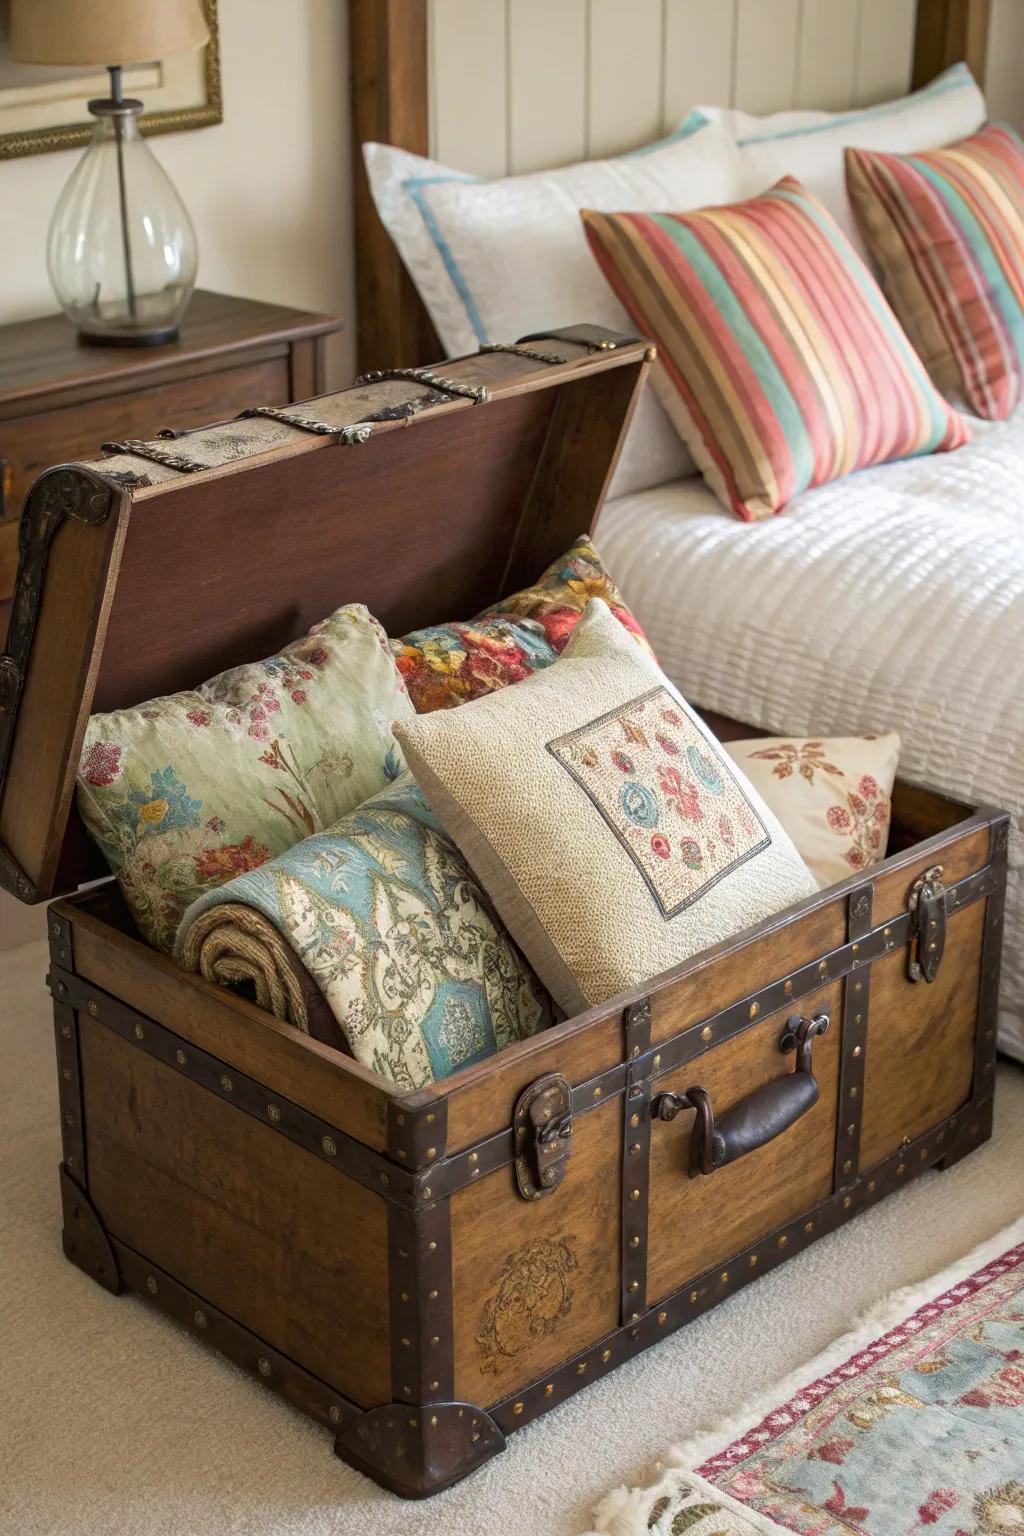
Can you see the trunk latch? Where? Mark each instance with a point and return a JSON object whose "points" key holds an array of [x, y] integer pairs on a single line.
{"points": [[542, 1126], [927, 906]]}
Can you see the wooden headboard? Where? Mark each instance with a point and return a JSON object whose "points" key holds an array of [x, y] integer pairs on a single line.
{"points": [[500, 86]]}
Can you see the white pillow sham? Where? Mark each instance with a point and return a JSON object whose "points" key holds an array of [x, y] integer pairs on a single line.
{"points": [[810, 145], [495, 260]]}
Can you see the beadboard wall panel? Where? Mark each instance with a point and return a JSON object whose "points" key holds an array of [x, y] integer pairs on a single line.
{"points": [[1004, 69], [517, 85]]}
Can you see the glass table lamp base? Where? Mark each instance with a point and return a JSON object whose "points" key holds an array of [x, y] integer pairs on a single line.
{"points": [[129, 338]]}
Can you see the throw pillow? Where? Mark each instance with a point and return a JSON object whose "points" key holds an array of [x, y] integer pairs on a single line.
{"points": [[833, 795], [448, 664], [184, 792], [386, 919], [613, 835], [946, 229], [500, 258], [779, 358]]}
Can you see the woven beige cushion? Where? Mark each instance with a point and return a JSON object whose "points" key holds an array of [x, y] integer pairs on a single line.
{"points": [[602, 818]]}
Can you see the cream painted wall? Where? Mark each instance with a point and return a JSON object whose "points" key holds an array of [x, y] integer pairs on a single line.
{"points": [[269, 189]]}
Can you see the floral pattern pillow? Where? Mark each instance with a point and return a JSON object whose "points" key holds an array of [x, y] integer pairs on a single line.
{"points": [[186, 792], [448, 664], [832, 795]]}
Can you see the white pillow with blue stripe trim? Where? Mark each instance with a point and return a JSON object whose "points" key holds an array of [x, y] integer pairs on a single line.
{"points": [[497, 259], [810, 145]]}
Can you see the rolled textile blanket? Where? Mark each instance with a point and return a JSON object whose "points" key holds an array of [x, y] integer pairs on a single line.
{"points": [[237, 946], [373, 936]]}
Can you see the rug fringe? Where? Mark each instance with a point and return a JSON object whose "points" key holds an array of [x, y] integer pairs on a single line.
{"points": [[624, 1511]]}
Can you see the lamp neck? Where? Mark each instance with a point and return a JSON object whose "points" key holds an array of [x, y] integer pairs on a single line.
{"points": [[117, 104]]}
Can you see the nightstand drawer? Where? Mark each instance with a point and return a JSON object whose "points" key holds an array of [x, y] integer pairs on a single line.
{"points": [[31, 444]]}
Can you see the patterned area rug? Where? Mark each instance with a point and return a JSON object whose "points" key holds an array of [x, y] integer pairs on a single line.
{"points": [[911, 1426]]}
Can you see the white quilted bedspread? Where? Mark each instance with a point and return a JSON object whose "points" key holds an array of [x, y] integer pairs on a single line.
{"points": [[891, 600]]}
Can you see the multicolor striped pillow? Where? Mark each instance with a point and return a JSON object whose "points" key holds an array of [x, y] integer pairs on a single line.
{"points": [[781, 363], [947, 231]]}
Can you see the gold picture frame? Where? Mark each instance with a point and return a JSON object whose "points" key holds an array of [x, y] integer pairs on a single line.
{"points": [[203, 113]]}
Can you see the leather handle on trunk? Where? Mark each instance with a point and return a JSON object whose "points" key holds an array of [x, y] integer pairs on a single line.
{"points": [[757, 1119]]}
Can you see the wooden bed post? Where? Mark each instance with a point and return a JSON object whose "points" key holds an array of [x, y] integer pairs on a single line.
{"points": [[946, 32], [389, 105]]}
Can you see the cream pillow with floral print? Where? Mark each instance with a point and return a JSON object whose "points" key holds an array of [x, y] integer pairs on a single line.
{"points": [[833, 795], [602, 818], [185, 792]]}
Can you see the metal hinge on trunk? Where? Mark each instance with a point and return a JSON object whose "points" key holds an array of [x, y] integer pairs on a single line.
{"points": [[543, 1130], [927, 907]]}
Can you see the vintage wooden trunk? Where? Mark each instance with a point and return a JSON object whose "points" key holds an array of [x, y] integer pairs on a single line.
{"points": [[425, 1273]]}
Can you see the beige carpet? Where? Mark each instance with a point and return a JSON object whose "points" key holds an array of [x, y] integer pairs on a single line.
{"points": [[114, 1423]]}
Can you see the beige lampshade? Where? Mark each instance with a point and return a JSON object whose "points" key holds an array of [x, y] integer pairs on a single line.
{"points": [[104, 31]]}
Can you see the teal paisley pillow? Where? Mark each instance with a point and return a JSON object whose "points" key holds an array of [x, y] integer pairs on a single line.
{"points": [[184, 792], [383, 913]]}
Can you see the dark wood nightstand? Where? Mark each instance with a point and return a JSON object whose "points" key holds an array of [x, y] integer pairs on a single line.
{"points": [[60, 398]]}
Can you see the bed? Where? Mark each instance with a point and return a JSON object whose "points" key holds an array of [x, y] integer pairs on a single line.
{"points": [[892, 599]]}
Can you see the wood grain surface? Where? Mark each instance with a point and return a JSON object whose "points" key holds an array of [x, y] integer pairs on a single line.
{"points": [[288, 1246]]}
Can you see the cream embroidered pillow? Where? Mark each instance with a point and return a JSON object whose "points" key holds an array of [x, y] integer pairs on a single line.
{"points": [[602, 818], [832, 795]]}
